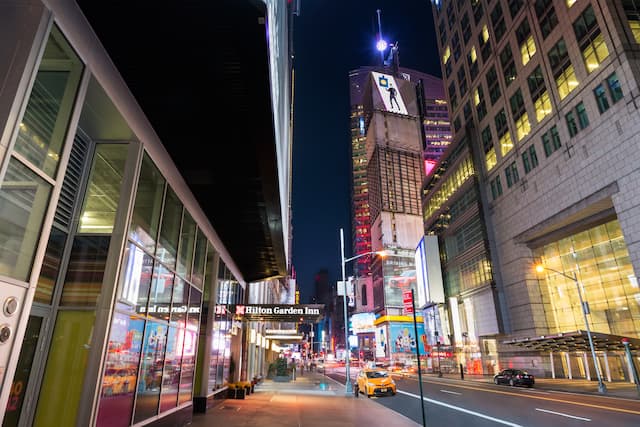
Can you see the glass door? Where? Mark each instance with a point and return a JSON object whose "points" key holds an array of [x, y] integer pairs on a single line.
{"points": [[19, 407]]}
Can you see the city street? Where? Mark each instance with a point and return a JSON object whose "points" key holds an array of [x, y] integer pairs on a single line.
{"points": [[476, 403]]}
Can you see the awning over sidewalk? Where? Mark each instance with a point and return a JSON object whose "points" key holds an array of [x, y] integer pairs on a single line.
{"points": [[575, 341]]}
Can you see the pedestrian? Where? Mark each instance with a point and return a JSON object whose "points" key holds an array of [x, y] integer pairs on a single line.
{"points": [[461, 372]]}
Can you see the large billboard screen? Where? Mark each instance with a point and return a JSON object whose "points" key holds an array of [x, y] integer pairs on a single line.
{"points": [[390, 93], [399, 275], [402, 338], [429, 272]]}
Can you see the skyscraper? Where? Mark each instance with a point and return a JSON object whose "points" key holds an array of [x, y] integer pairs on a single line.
{"points": [[395, 129], [544, 119]]}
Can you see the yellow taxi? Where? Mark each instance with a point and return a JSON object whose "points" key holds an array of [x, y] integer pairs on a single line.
{"points": [[375, 382]]}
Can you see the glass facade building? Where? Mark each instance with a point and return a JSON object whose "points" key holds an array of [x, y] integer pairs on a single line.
{"points": [[552, 89], [116, 282]]}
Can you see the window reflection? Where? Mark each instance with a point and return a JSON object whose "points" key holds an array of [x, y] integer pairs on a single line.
{"points": [[42, 131], [83, 282], [121, 371], [160, 295], [187, 240], [148, 391], [50, 267], [601, 261], [103, 193], [24, 198], [171, 371], [170, 229], [145, 220], [136, 281]]}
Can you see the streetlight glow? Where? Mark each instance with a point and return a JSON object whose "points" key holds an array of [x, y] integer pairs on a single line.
{"points": [[381, 45]]}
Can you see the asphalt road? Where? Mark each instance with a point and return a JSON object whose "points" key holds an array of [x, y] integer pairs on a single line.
{"points": [[454, 403]]}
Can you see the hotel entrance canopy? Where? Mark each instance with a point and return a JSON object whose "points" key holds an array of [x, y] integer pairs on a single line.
{"points": [[575, 341]]}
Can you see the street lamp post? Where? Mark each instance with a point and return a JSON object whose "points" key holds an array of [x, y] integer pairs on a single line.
{"points": [[348, 386], [540, 268]]}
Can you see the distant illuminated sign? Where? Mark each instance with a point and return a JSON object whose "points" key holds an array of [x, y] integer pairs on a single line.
{"points": [[390, 93], [363, 322]]}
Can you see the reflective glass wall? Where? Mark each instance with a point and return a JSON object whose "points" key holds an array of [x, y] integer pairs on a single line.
{"points": [[599, 258], [150, 362]]}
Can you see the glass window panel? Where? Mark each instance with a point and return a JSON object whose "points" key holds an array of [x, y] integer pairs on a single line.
{"points": [[179, 306], [605, 273], [50, 267], [103, 192], [24, 198], [148, 390], [145, 220], [121, 371], [161, 290], [42, 132], [614, 87], [136, 280], [195, 301], [171, 370], [189, 348], [187, 240], [61, 389], [83, 282], [170, 229], [197, 275]]}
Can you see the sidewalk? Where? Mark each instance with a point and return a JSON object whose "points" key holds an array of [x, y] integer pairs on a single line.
{"points": [[312, 400]]}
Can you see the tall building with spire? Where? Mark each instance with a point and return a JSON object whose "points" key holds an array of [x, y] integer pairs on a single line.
{"points": [[399, 126]]}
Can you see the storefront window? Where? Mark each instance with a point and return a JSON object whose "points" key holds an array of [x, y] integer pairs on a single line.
{"points": [[24, 198], [121, 371], [171, 370], [44, 125], [601, 262], [160, 295], [148, 391], [145, 220], [103, 191], [179, 306]]}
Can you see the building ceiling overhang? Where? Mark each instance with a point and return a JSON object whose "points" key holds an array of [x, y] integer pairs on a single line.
{"points": [[200, 71], [575, 341]]}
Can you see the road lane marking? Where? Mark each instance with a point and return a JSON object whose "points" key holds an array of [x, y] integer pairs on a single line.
{"points": [[451, 392], [531, 396], [563, 415], [466, 411]]}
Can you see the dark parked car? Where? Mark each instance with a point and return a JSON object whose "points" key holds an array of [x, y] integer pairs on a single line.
{"points": [[514, 377]]}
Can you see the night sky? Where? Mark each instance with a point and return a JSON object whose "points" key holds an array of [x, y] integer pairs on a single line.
{"points": [[331, 38]]}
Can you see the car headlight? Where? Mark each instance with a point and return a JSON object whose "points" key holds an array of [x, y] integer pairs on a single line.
{"points": [[393, 382], [371, 384]]}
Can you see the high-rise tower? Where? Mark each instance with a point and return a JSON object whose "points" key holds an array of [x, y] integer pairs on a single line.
{"points": [[545, 124]]}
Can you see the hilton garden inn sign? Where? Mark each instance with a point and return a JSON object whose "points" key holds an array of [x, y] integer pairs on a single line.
{"points": [[275, 312]]}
